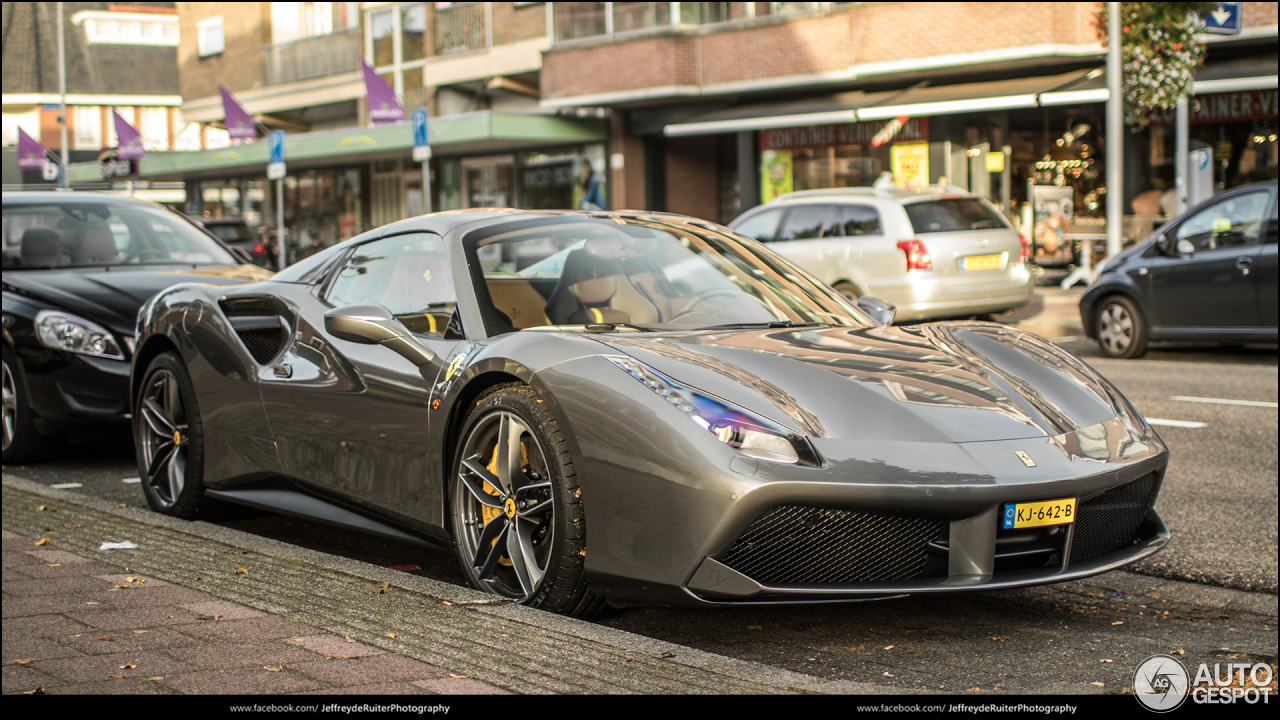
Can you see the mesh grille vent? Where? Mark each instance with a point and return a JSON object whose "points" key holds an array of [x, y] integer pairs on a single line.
{"points": [[263, 343], [805, 545], [1110, 521]]}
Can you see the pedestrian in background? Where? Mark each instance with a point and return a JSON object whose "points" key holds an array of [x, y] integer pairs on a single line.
{"points": [[592, 198]]}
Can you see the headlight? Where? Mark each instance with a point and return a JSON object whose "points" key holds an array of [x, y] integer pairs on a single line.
{"points": [[62, 331], [740, 429]]}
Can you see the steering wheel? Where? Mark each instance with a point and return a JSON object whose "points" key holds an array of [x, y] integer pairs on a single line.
{"points": [[134, 256]]}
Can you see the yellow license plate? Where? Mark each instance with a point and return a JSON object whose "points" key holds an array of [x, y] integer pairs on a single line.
{"points": [[1036, 514], [980, 262]]}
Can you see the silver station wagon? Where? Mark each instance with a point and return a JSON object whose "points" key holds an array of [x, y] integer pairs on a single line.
{"points": [[933, 252]]}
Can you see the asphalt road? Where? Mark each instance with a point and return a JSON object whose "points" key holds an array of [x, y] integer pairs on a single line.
{"points": [[1219, 499]]}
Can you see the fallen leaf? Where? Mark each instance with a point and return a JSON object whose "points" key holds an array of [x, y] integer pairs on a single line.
{"points": [[445, 602], [1001, 639], [108, 638], [241, 571], [1118, 622], [37, 691], [1098, 684], [342, 657], [91, 602], [891, 647], [855, 649], [216, 618], [459, 677], [47, 508], [630, 659], [122, 587], [128, 666], [23, 661], [1106, 660], [53, 564], [383, 587], [199, 578], [347, 638], [42, 541], [1179, 651], [122, 505], [273, 668], [139, 632], [115, 676], [133, 579], [391, 635], [975, 689], [161, 677]]}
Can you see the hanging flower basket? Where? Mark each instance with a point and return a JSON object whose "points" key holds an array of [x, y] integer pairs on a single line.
{"points": [[1159, 51]]}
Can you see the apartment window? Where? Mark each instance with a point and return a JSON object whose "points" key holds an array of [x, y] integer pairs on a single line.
{"points": [[88, 122], [105, 27], [209, 38], [395, 45], [583, 20], [154, 127], [574, 21]]}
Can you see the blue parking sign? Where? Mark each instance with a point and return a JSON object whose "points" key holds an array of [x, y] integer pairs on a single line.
{"points": [[1224, 19], [420, 128], [276, 143]]}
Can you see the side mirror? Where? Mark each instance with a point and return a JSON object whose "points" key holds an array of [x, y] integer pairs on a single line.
{"points": [[375, 325], [1162, 244], [880, 312]]}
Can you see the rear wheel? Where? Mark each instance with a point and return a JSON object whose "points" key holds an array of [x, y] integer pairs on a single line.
{"points": [[1122, 331], [516, 509], [170, 441]]}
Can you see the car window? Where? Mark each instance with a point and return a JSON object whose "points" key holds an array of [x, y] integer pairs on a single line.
{"points": [[804, 222], [953, 215], [1234, 222], [851, 220], [1270, 237], [762, 226], [407, 274], [70, 234]]}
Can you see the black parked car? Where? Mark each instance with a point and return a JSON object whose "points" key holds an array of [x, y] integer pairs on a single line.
{"points": [[77, 267], [237, 233], [1207, 276]]}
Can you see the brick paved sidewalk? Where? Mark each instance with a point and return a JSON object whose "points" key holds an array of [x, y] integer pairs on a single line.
{"points": [[79, 626]]}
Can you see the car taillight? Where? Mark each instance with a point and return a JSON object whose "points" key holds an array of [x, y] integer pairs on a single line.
{"points": [[917, 255], [259, 249], [1025, 255]]}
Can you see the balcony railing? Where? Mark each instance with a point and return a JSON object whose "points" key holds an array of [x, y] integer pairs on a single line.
{"points": [[312, 57], [460, 28]]}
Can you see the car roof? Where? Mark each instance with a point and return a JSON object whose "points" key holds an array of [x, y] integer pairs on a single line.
{"points": [[39, 197], [896, 194], [449, 220]]}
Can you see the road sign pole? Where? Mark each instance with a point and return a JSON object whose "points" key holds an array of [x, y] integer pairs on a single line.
{"points": [[422, 154], [280, 224]]}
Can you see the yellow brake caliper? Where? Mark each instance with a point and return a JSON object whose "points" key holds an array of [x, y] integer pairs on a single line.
{"points": [[487, 513]]}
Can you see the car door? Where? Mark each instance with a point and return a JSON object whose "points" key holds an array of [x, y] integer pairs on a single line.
{"points": [[1206, 281], [352, 418], [1265, 272], [860, 252]]}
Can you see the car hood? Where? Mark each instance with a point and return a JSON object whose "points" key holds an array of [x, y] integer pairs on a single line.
{"points": [[112, 297], [946, 382]]}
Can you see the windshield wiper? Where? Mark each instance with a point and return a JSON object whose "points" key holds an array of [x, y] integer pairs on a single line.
{"points": [[774, 324], [613, 327]]}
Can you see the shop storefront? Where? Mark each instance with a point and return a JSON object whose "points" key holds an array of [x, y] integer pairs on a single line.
{"points": [[844, 155], [559, 178]]}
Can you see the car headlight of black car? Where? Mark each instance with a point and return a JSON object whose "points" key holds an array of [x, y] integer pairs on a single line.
{"points": [[740, 429], [63, 331]]}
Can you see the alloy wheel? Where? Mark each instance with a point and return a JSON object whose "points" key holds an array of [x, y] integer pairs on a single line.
{"points": [[163, 437], [10, 406], [1115, 328], [507, 513]]}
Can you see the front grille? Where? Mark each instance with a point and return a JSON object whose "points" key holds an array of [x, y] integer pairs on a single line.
{"points": [[1110, 521], [263, 343], [795, 545]]}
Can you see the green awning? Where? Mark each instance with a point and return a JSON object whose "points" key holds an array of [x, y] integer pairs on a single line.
{"points": [[468, 134]]}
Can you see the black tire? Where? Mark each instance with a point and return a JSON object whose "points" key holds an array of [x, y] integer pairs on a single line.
{"points": [[169, 438], [22, 442], [532, 520], [1121, 328]]}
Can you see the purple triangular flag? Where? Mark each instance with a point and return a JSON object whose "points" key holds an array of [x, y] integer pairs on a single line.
{"points": [[383, 105], [128, 141], [239, 124], [31, 154]]}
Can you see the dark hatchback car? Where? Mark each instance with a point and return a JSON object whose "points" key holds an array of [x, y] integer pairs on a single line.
{"points": [[237, 233], [1209, 275], [77, 267]]}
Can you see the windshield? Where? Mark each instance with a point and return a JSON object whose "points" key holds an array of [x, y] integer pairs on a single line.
{"points": [[632, 274], [953, 215], [70, 234]]}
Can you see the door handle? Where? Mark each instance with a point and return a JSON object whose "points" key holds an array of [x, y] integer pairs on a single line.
{"points": [[1244, 264]]}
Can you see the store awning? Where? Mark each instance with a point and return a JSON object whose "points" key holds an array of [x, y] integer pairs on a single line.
{"points": [[472, 133], [856, 106], [1257, 72]]}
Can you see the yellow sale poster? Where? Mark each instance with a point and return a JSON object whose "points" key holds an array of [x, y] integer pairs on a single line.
{"points": [[775, 174], [910, 163]]}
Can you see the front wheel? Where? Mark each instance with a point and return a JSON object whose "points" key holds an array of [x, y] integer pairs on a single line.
{"points": [[516, 509], [1122, 330], [170, 442]]}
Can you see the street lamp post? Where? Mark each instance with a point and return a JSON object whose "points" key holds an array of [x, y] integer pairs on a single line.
{"points": [[1115, 132], [62, 87]]}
